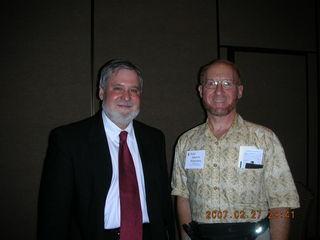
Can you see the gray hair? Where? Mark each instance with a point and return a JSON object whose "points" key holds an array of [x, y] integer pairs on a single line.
{"points": [[203, 69], [113, 66]]}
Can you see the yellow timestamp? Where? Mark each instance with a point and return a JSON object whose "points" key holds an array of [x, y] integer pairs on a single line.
{"points": [[242, 214], [272, 214]]}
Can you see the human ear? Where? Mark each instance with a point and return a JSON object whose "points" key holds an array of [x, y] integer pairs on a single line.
{"points": [[200, 90], [240, 91], [101, 93]]}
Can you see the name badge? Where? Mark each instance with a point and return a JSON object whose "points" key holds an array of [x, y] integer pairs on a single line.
{"points": [[195, 159], [250, 157]]}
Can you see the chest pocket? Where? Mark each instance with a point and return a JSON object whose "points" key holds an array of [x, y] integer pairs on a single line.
{"points": [[248, 186]]}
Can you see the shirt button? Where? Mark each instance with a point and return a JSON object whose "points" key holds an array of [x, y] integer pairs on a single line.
{"points": [[215, 165], [215, 188]]}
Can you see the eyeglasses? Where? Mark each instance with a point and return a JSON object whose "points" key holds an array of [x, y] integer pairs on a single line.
{"points": [[212, 84]]}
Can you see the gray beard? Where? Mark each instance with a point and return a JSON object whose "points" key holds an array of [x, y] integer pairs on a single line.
{"points": [[118, 118]]}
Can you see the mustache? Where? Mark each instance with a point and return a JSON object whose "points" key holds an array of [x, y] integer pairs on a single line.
{"points": [[124, 103]]}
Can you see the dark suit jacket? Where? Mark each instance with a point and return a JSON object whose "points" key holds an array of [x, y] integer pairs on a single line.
{"points": [[76, 177]]}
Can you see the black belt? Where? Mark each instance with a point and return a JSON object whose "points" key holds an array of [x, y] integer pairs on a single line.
{"points": [[217, 231], [114, 233]]}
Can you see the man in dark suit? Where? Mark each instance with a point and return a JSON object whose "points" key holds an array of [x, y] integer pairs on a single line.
{"points": [[81, 188]]}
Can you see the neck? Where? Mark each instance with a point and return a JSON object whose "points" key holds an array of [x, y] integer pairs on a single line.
{"points": [[122, 126], [219, 125]]}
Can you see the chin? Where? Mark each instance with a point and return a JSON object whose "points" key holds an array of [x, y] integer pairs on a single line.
{"points": [[220, 112], [122, 117]]}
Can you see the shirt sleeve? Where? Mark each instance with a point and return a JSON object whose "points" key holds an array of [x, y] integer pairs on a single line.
{"points": [[280, 187], [179, 177]]}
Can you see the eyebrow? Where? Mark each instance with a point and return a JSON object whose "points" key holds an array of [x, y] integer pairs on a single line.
{"points": [[123, 85], [223, 79]]}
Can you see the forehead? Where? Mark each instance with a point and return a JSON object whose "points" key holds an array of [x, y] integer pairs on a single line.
{"points": [[125, 77], [220, 70]]}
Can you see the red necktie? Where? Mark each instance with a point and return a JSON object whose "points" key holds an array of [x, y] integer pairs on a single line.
{"points": [[131, 216]]}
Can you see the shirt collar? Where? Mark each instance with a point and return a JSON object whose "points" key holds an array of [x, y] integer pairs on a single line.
{"points": [[235, 124]]}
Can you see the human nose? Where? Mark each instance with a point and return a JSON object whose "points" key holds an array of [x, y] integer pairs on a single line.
{"points": [[126, 95], [219, 89]]}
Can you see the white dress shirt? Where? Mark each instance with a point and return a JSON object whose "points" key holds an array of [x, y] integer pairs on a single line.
{"points": [[112, 205]]}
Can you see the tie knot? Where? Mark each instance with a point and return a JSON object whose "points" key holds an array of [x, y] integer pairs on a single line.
{"points": [[123, 136]]}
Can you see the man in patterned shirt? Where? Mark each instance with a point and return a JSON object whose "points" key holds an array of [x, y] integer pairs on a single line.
{"points": [[230, 176]]}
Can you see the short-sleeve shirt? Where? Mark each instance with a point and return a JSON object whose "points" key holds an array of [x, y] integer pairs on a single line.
{"points": [[223, 192]]}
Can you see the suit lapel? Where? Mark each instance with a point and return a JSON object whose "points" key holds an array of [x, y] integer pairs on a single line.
{"points": [[145, 151], [140, 137], [101, 167], [143, 143], [101, 164]]}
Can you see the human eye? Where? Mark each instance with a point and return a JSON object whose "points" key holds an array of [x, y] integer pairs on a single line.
{"points": [[227, 84], [135, 91], [211, 84], [117, 88]]}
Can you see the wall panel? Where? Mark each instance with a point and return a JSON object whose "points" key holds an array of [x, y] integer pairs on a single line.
{"points": [[287, 24], [45, 82]]}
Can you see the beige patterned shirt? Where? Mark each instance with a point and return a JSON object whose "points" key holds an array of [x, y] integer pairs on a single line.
{"points": [[222, 191]]}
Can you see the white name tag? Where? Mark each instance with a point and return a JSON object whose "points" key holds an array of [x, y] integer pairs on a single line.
{"points": [[250, 155], [195, 159]]}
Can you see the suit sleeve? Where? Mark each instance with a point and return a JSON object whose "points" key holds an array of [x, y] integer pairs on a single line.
{"points": [[56, 191]]}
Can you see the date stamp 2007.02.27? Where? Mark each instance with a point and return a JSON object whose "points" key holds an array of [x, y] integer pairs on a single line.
{"points": [[253, 214]]}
